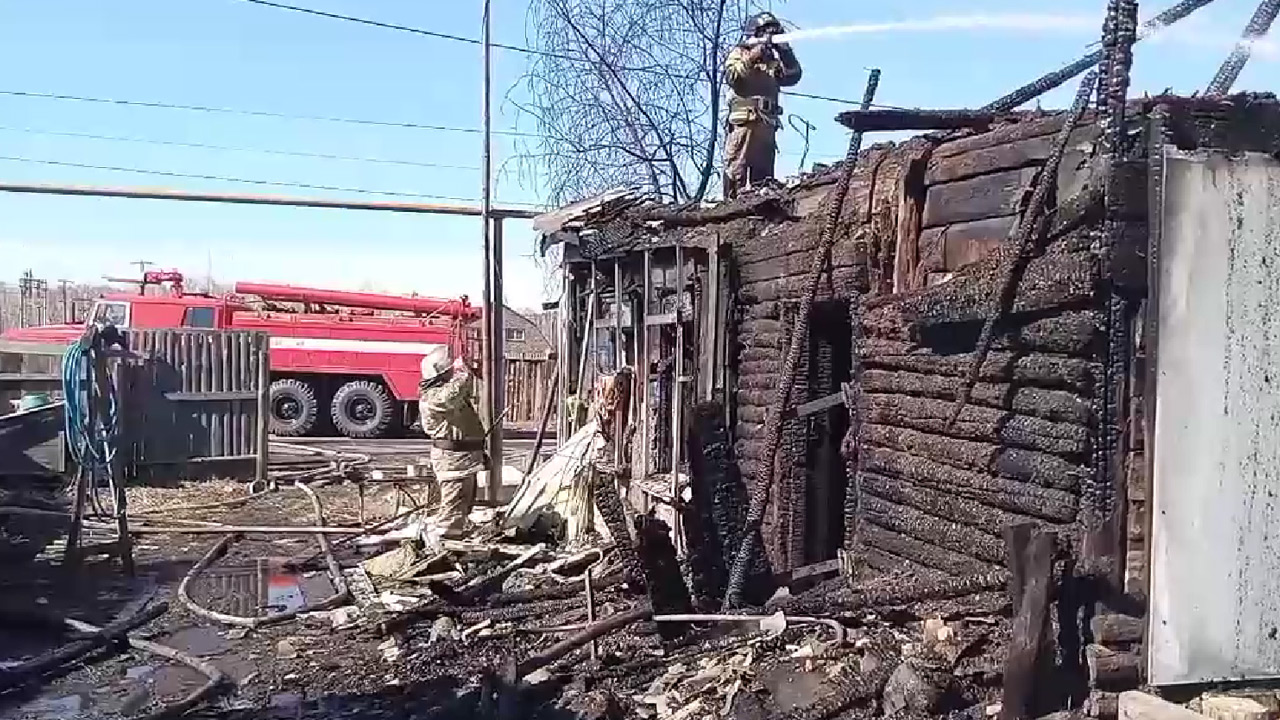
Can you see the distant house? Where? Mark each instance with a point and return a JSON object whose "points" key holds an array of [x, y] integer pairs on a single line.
{"points": [[528, 335]]}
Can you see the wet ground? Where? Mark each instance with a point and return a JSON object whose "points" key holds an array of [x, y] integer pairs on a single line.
{"points": [[274, 670]]}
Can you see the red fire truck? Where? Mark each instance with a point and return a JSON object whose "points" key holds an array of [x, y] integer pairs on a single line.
{"points": [[340, 361]]}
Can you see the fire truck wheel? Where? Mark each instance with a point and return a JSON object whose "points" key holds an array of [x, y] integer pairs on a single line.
{"points": [[362, 409], [293, 408]]}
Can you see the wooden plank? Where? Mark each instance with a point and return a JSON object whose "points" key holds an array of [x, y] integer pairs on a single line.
{"points": [[977, 198], [1006, 156], [1030, 561]]}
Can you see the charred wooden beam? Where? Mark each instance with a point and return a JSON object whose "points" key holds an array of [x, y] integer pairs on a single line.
{"points": [[951, 507], [922, 553], [1111, 670], [1011, 495], [1000, 367], [1053, 405], [1029, 466], [930, 528], [978, 423], [918, 119]]}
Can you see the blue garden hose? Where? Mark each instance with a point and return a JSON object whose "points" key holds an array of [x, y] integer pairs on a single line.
{"points": [[94, 447]]}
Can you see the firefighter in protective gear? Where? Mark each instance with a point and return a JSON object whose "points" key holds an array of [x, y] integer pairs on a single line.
{"points": [[755, 72], [457, 436]]}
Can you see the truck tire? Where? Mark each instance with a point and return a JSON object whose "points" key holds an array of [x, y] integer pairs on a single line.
{"points": [[293, 408], [362, 409]]}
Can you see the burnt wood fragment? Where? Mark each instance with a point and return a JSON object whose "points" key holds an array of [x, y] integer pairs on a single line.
{"points": [[1113, 629], [1112, 670]]}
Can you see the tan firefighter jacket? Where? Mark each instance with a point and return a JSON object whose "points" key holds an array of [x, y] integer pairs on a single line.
{"points": [[754, 87], [450, 419]]}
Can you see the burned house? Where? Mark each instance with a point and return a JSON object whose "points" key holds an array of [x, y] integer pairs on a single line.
{"points": [[979, 368]]}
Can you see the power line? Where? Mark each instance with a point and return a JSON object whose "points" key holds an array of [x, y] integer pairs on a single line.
{"points": [[519, 49], [255, 113], [228, 148], [250, 181]]}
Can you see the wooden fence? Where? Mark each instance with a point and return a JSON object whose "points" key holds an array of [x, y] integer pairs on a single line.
{"points": [[195, 402], [528, 383]]}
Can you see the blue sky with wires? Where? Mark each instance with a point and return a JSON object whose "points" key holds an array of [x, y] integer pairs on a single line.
{"points": [[234, 54]]}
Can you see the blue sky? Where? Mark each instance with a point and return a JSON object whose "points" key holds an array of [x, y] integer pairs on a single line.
{"points": [[234, 54]]}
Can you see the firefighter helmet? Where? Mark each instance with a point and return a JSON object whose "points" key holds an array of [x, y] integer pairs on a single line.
{"points": [[761, 24], [436, 363]]}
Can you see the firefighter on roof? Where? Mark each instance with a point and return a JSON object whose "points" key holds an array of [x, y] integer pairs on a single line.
{"points": [[457, 436], [755, 71]]}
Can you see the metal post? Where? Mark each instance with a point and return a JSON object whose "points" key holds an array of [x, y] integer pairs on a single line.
{"points": [[489, 413], [619, 351], [498, 372], [643, 361], [677, 399]]}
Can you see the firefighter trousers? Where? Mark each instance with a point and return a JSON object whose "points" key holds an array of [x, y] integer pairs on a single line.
{"points": [[749, 155]]}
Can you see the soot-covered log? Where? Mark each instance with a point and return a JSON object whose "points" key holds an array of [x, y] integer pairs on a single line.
{"points": [[841, 282], [1003, 493], [1070, 333], [1050, 281], [949, 506], [937, 588], [1029, 466], [1039, 370], [922, 553], [978, 423], [932, 529], [886, 562], [1056, 405]]}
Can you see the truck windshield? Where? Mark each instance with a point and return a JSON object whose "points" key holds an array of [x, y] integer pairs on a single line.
{"points": [[110, 313]]}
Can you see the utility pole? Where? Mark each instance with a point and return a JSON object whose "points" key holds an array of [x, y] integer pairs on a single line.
{"points": [[67, 315], [142, 266], [492, 357]]}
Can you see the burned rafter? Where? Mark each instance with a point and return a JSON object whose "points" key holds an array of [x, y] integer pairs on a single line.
{"points": [[915, 119]]}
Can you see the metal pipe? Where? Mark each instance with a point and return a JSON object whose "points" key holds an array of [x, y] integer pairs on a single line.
{"points": [[453, 307], [1257, 28], [253, 199]]}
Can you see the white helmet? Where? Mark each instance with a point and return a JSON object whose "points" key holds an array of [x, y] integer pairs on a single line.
{"points": [[435, 363]]}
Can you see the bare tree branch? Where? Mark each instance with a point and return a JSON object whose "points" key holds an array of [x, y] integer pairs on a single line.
{"points": [[645, 111]]}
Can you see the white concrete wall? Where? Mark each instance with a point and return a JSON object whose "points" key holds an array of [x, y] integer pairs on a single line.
{"points": [[1215, 584]]}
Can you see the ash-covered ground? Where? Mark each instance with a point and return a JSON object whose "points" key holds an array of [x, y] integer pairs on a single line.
{"points": [[895, 644]]}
